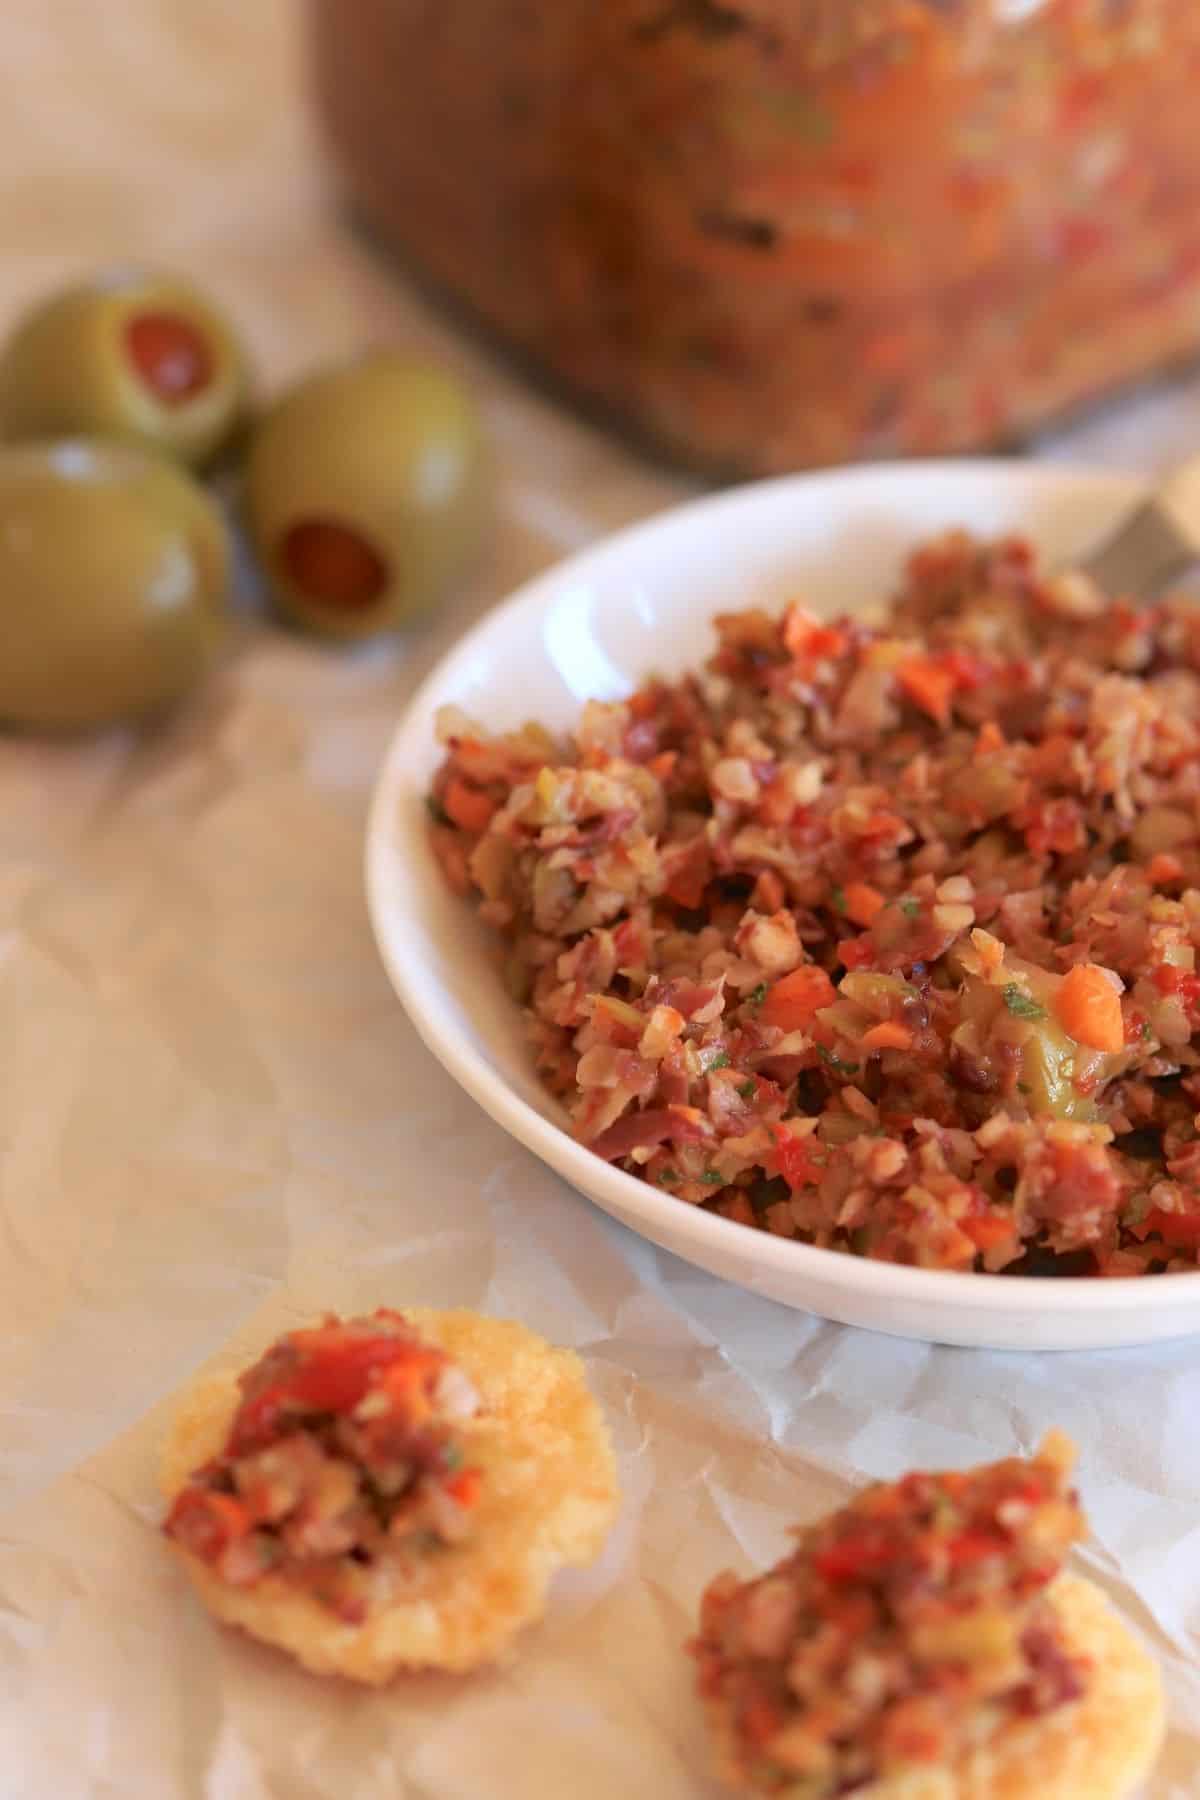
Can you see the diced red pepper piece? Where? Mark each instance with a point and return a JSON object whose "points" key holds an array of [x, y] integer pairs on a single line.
{"points": [[854, 1556], [976, 1546], [804, 636], [1182, 982], [795, 1159], [466, 1487], [1181, 1230], [690, 876], [759, 1719], [332, 1374]]}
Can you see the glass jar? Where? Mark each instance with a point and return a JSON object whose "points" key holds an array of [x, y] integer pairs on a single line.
{"points": [[776, 233]]}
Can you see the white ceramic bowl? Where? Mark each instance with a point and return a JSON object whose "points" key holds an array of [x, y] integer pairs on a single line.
{"points": [[592, 627]]}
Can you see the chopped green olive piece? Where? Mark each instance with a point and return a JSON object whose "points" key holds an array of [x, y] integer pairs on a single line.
{"points": [[113, 578]]}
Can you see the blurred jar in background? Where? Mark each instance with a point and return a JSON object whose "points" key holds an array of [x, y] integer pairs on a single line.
{"points": [[771, 233]]}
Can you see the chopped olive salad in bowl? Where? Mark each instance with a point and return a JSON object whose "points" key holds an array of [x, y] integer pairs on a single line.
{"points": [[879, 937], [811, 875]]}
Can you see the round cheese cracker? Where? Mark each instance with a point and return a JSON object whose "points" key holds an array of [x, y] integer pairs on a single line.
{"points": [[549, 1498], [1097, 1748]]}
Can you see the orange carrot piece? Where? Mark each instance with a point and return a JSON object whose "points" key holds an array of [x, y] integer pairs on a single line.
{"points": [[1088, 1008], [987, 1232], [791, 1002], [929, 686], [887, 1036], [1164, 867], [862, 901], [467, 807], [989, 949], [1179, 1229]]}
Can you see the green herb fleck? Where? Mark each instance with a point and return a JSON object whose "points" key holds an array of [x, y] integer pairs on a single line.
{"points": [[835, 1062], [838, 896], [712, 1178], [757, 995], [452, 1457], [1145, 1028], [1023, 1087], [1023, 1005], [719, 1061], [910, 907], [436, 810], [668, 1175], [747, 1090]]}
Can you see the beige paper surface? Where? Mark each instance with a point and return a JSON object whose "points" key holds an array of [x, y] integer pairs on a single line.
{"points": [[215, 1119]]}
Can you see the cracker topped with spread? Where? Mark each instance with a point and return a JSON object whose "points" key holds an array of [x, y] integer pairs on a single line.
{"points": [[922, 1644], [390, 1492]]}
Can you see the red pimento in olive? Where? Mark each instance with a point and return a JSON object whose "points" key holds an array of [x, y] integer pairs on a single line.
{"points": [[333, 565], [171, 355], [131, 355], [364, 493]]}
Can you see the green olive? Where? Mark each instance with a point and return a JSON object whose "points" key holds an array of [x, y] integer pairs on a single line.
{"points": [[131, 355], [113, 572], [365, 493]]}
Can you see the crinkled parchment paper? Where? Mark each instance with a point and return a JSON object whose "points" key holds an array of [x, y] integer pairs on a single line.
{"points": [[215, 1119]]}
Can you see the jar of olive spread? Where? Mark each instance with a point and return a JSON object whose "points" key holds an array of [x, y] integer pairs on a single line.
{"points": [[776, 233]]}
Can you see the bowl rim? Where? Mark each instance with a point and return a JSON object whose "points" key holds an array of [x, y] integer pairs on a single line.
{"points": [[632, 1199]]}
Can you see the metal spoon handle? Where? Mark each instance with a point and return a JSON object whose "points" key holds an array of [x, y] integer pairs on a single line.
{"points": [[1156, 543]]}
